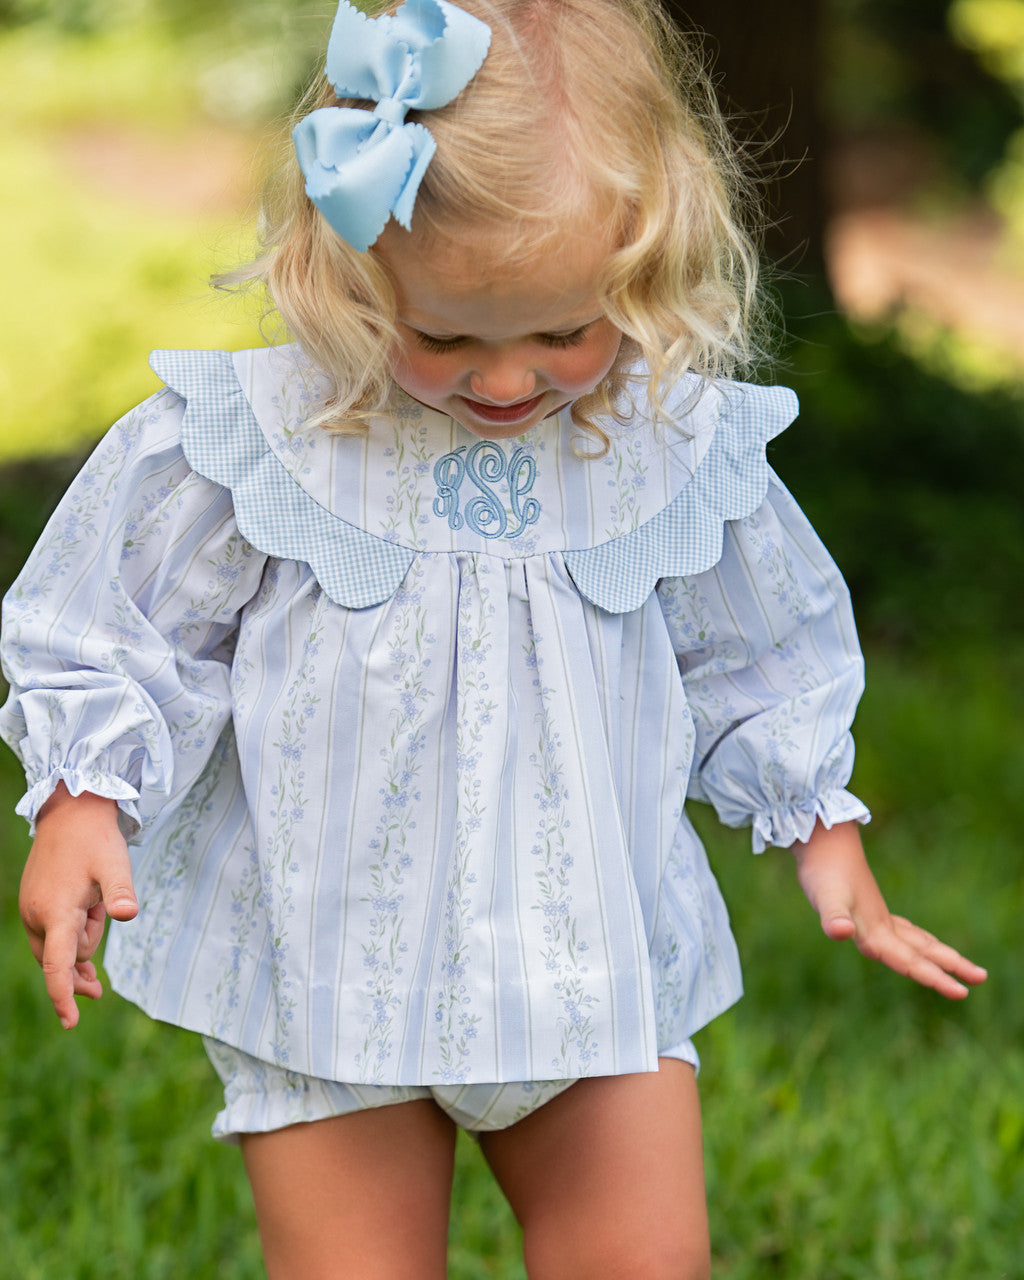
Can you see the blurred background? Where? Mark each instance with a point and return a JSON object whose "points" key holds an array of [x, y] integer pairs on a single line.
{"points": [[855, 1127]]}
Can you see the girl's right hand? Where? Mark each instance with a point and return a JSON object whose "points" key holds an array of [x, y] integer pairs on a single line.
{"points": [[78, 872]]}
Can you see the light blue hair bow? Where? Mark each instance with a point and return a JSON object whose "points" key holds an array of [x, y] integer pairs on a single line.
{"points": [[363, 166]]}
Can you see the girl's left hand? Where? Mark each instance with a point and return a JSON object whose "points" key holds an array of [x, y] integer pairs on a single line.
{"points": [[834, 874]]}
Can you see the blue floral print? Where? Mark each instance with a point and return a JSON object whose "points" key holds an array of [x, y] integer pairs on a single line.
{"points": [[405, 799], [385, 949]]}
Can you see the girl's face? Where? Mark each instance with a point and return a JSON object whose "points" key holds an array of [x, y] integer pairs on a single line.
{"points": [[498, 350]]}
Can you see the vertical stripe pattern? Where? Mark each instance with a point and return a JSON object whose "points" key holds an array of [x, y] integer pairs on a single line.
{"points": [[406, 802]]}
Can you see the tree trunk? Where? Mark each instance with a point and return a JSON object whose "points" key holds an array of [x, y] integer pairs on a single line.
{"points": [[766, 61]]}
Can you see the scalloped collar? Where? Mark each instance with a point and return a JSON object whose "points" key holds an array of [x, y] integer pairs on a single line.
{"points": [[277, 510], [419, 480]]}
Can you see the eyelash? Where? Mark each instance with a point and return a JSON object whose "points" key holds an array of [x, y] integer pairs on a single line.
{"points": [[439, 346], [572, 339]]}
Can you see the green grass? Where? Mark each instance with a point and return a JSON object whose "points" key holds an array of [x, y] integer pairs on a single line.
{"points": [[856, 1128]]}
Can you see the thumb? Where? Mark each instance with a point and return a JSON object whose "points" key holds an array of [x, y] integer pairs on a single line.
{"points": [[830, 902], [838, 925], [118, 893], [123, 905]]}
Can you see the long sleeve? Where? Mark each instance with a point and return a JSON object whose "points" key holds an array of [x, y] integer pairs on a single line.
{"points": [[772, 670], [118, 633]]}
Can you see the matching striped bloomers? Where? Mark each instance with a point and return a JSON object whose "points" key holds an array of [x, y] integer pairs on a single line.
{"points": [[402, 724]]}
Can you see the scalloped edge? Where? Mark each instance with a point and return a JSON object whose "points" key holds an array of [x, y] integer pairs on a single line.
{"points": [[358, 569], [355, 568], [686, 537]]}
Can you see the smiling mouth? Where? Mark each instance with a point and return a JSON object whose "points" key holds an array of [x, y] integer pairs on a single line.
{"points": [[503, 414]]}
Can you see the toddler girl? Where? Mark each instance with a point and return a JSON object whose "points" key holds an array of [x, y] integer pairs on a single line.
{"points": [[393, 654]]}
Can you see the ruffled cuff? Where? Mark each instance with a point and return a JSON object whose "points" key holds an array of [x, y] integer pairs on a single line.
{"points": [[77, 781], [784, 826]]}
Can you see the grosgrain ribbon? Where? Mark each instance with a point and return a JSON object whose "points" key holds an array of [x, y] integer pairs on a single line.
{"points": [[362, 167]]}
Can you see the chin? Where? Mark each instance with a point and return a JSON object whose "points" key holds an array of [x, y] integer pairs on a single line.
{"points": [[496, 432]]}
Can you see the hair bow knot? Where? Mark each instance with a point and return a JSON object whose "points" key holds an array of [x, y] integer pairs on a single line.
{"points": [[362, 167]]}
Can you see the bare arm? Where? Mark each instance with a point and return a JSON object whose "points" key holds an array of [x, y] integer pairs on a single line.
{"points": [[78, 872], [834, 874]]}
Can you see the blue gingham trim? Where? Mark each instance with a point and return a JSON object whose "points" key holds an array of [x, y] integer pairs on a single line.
{"points": [[222, 440], [686, 537]]}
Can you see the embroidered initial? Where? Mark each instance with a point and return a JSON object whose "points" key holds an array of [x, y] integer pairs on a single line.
{"points": [[486, 513]]}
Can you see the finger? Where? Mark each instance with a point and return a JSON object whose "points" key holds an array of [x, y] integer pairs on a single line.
{"points": [[911, 951], [36, 942], [58, 964], [87, 981], [913, 964], [967, 971], [927, 973], [940, 953], [92, 934]]}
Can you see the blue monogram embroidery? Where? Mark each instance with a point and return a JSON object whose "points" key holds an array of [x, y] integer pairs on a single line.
{"points": [[485, 513]]}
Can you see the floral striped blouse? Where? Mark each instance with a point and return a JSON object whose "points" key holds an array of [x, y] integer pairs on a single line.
{"points": [[401, 725]]}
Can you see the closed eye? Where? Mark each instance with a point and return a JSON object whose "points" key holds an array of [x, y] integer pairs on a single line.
{"points": [[438, 346], [571, 339]]}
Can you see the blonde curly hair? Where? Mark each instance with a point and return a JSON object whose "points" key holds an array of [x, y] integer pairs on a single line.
{"points": [[582, 109]]}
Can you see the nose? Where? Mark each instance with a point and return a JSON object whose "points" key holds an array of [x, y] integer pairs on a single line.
{"points": [[503, 377]]}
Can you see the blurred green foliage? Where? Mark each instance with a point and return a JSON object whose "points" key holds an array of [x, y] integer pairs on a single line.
{"points": [[107, 267], [257, 54], [951, 67], [915, 483], [894, 62], [109, 246], [994, 30], [939, 64]]}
